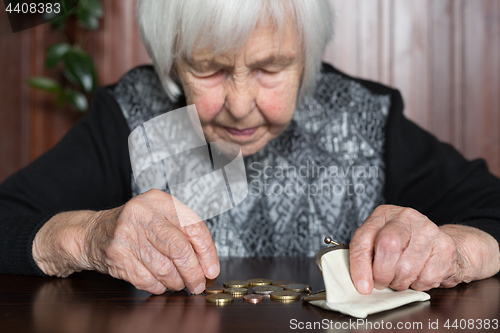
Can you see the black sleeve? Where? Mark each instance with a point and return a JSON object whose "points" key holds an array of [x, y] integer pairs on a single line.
{"points": [[88, 169], [435, 179]]}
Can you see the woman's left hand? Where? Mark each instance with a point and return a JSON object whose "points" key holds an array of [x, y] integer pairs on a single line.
{"points": [[401, 248]]}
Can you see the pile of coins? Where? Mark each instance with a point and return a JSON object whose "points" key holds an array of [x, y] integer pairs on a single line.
{"points": [[255, 290]]}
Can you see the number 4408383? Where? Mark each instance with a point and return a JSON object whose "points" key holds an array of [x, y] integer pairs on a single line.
{"points": [[463, 324], [34, 8]]}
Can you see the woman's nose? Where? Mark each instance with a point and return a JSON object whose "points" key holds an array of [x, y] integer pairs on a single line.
{"points": [[240, 99]]}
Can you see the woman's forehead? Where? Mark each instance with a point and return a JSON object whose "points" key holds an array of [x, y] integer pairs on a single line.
{"points": [[263, 48]]}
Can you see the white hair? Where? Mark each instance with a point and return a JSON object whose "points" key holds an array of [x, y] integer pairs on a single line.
{"points": [[170, 28]]}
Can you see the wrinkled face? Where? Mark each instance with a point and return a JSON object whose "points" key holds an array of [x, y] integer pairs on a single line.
{"points": [[247, 97]]}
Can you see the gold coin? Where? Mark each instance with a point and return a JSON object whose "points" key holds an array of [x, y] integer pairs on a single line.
{"points": [[285, 296], [298, 287], [214, 290], [236, 292], [265, 290], [259, 282], [284, 300], [281, 283], [219, 298], [236, 284]]}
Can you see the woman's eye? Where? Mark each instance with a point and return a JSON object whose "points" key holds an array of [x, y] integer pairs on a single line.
{"points": [[270, 78], [268, 72], [209, 75]]}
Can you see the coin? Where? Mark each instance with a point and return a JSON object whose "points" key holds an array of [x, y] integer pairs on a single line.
{"points": [[285, 296], [281, 283], [219, 298], [210, 282], [236, 284], [317, 296], [214, 290], [265, 290], [298, 287], [259, 282], [236, 292], [253, 298]]}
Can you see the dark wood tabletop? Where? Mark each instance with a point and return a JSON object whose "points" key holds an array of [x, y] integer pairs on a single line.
{"points": [[92, 302]]}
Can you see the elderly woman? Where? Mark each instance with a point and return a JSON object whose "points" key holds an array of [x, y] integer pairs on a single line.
{"points": [[253, 69]]}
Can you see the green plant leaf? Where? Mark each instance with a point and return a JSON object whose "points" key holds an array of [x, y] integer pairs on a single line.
{"points": [[77, 99], [58, 22], [55, 53], [70, 77], [86, 19], [80, 70], [88, 13], [93, 6], [45, 84]]}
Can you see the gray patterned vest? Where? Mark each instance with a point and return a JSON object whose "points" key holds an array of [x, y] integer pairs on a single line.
{"points": [[321, 177]]}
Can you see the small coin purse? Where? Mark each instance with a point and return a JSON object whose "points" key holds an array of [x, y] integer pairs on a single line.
{"points": [[342, 296]]}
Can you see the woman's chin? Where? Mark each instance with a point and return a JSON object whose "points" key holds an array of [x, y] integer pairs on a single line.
{"points": [[252, 148]]}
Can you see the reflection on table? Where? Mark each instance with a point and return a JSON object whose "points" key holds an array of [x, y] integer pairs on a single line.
{"points": [[91, 302]]}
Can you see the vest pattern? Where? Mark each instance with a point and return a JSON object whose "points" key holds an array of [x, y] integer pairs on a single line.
{"points": [[321, 177]]}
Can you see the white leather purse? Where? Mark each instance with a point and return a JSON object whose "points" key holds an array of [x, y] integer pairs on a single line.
{"points": [[342, 296]]}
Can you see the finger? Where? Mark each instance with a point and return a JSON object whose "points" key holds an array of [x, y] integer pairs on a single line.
{"points": [[440, 265], [409, 266], [192, 227], [199, 235], [390, 243], [361, 253], [414, 257], [431, 275], [162, 268], [452, 280], [201, 240], [173, 244], [136, 273]]}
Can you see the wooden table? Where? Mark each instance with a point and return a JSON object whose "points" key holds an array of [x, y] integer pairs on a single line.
{"points": [[91, 302]]}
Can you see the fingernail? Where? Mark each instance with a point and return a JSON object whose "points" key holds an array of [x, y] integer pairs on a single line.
{"points": [[363, 287], [213, 271], [199, 289]]}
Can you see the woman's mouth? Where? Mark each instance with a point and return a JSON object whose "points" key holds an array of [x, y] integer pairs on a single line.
{"points": [[241, 132]]}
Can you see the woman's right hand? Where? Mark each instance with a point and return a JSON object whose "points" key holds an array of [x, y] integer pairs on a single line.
{"points": [[141, 242]]}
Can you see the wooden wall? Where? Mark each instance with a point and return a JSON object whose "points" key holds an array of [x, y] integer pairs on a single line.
{"points": [[444, 55]]}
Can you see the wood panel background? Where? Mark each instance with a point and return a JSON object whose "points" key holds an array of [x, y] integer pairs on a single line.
{"points": [[444, 56]]}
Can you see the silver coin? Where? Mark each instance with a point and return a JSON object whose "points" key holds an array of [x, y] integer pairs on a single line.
{"points": [[265, 290], [298, 287]]}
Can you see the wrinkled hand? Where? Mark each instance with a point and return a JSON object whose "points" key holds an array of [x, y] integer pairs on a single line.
{"points": [[142, 242], [401, 248]]}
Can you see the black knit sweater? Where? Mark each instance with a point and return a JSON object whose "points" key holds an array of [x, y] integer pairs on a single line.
{"points": [[90, 169]]}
